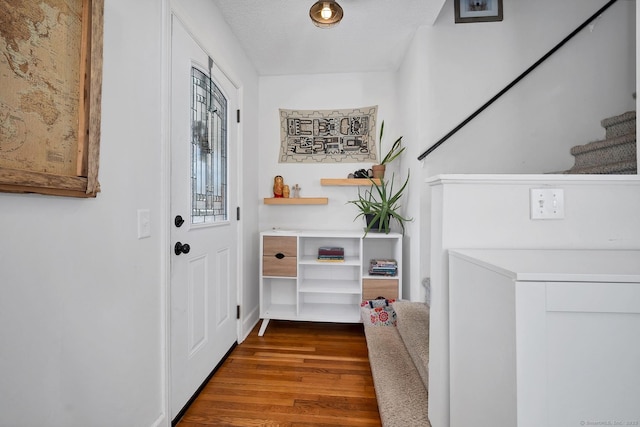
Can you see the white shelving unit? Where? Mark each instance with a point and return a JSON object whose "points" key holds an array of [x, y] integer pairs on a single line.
{"points": [[294, 285]]}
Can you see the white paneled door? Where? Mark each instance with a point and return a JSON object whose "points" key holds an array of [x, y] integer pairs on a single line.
{"points": [[204, 233]]}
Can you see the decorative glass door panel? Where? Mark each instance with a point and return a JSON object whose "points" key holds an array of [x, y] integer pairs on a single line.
{"points": [[209, 148]]}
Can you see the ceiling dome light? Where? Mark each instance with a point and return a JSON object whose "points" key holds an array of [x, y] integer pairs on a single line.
{"points": [[325, 13]]}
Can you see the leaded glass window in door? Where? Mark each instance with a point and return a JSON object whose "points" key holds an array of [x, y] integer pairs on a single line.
{"points": [[209, 148]]}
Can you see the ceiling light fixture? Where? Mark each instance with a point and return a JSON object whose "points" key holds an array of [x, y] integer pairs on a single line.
{"points": [[325, 13]]}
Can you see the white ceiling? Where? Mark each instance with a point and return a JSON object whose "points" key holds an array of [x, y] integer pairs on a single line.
{"points": [[279, 37]]}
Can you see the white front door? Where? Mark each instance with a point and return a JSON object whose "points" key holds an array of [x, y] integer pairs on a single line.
{"points": [[204, 233]]}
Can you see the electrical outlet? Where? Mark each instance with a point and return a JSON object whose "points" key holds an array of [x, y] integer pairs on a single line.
{"points": [[547, 203], [144, 223]]}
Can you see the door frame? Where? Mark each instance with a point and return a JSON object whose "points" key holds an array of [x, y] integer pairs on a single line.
{"points": [[172, 8]]}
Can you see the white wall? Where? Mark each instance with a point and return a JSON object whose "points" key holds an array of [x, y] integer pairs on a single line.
{"points": [[80, 301], [82, 309], [412, 81], [493, 211], [559, 105], [452, 69], [318, 91]]}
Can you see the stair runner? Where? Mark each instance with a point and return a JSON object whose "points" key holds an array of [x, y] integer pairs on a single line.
{"points": [[399, 357], [616, 154]]}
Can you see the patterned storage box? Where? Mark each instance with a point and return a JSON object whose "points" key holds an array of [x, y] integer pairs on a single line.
{"points": [[378, 312]]}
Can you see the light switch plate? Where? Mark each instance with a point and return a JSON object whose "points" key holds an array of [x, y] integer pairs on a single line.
{"points": [[144, 223], [547, 203]]}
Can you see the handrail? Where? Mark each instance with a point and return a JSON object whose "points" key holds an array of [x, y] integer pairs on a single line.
{"points": [[517, 79]]}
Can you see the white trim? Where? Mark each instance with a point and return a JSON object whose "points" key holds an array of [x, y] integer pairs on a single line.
{"points": [[532, 178], [239, 203], [165, 214], [250, 321]]}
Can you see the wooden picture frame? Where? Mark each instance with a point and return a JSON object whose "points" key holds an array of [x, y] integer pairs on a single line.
{"points": [[28, 158], [467, 11]]}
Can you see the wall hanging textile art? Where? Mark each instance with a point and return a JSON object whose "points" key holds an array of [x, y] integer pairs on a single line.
{"points": [[328, 136]]}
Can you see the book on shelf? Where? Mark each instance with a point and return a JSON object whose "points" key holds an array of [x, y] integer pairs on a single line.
{"points": [[330, 251], [383, 267], [330, 254]]}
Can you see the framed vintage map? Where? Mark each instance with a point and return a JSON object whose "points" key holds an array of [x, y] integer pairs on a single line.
{"points": [[51, 73], [328, 136]]}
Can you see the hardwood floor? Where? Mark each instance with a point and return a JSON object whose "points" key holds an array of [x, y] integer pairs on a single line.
{"points": [[297, 374]]}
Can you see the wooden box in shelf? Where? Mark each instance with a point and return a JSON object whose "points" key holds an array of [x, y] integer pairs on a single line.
{"points": [[279, 256], [348, 181], [296, 200], [374, 288]]}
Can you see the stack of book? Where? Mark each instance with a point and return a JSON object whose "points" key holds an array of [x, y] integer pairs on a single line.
{"points": [[383, 267], [330, 254]]}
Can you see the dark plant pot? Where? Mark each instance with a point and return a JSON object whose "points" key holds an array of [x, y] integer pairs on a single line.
{"points": [[375, 225]]}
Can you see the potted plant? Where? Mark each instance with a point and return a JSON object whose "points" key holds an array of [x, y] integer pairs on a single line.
{"points": [[395, 150], [380, 204]]}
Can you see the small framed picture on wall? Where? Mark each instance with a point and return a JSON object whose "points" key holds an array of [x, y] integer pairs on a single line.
{"points": [[477, 11]]}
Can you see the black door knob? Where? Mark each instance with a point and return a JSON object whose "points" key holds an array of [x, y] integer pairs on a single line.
{"points": [[178, 221], [180, 248]]}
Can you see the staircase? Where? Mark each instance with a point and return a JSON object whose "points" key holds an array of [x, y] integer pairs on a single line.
{"points": [[399, 359], [616, 154]]}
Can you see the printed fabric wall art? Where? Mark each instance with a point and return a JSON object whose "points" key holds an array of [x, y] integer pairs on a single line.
{"points": [[328, 136]]}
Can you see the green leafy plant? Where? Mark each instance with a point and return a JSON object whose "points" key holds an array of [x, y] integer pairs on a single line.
{"points": [[395, 150], [380, 204]]}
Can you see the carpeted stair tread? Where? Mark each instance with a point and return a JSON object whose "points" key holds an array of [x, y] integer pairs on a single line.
{"points": [[402, 397], [604, 144], [416, 339], [628, 167], [604, 153], [617, 154], [622, 124]]}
